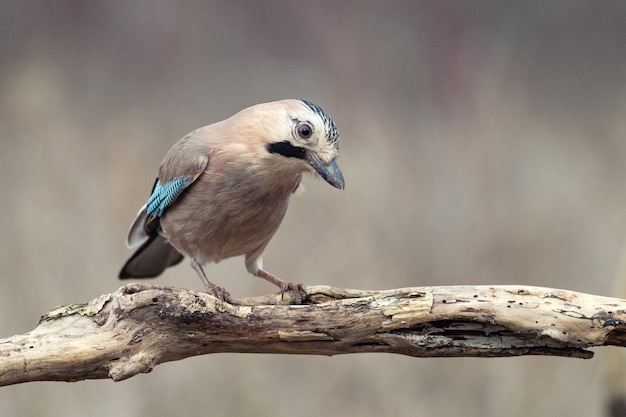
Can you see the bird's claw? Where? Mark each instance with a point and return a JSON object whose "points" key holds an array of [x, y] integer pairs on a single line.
{"points": [[219, 293], [299, 294], [298, 289]]}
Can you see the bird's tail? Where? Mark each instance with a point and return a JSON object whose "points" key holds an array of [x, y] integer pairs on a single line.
{"points": [[151, 259]]}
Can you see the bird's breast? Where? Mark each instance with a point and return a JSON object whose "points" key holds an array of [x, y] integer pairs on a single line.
{"points": [[226, 214]]}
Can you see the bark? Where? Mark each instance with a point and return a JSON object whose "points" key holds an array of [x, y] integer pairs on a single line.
{"points": [[130, 331]]}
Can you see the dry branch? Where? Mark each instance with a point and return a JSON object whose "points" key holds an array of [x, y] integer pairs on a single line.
{"points": [[130, 331]]}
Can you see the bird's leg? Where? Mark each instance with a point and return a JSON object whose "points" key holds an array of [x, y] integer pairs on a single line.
{"points": [[211, 288], [297, 289]]}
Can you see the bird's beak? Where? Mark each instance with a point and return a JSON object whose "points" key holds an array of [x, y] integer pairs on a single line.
{"points": [[330, 172]]}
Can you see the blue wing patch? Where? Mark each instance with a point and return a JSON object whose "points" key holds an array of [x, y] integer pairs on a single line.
{"points": [[163, 195]]}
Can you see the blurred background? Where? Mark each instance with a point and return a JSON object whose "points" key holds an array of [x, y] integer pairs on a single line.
{"points": [[482, 142]]}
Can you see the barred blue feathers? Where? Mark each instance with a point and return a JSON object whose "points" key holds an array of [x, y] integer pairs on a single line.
{"points": [[163, 195]]}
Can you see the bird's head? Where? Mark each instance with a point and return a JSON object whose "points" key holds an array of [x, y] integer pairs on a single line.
{"points": [[303, 132]]}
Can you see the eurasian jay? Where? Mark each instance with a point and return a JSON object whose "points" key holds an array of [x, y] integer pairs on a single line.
{"points": [[223, 190]]}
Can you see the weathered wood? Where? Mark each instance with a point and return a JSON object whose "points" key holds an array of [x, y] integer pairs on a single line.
{"points": [[137, 327]]}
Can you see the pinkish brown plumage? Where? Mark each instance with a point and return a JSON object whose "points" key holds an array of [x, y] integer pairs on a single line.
{"points": [[223, 190]]}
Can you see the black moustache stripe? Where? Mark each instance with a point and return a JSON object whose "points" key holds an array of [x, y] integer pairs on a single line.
{"points": [[285, 148]]}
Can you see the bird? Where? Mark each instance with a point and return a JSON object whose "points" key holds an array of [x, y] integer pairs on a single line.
{"points": [[223, 190]]}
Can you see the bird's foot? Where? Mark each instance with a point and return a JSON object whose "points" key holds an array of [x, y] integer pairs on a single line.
{"points": [[218, 292], [298, 289]]}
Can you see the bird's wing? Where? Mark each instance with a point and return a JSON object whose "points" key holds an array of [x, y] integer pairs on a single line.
{"points": [[151, 259], [182, 165]]}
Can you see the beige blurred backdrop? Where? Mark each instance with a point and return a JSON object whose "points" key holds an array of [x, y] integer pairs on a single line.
{"points": [[482, 142]]}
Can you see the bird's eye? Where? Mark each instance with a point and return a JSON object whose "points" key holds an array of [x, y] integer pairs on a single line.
{"points": [[304, 130]]}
